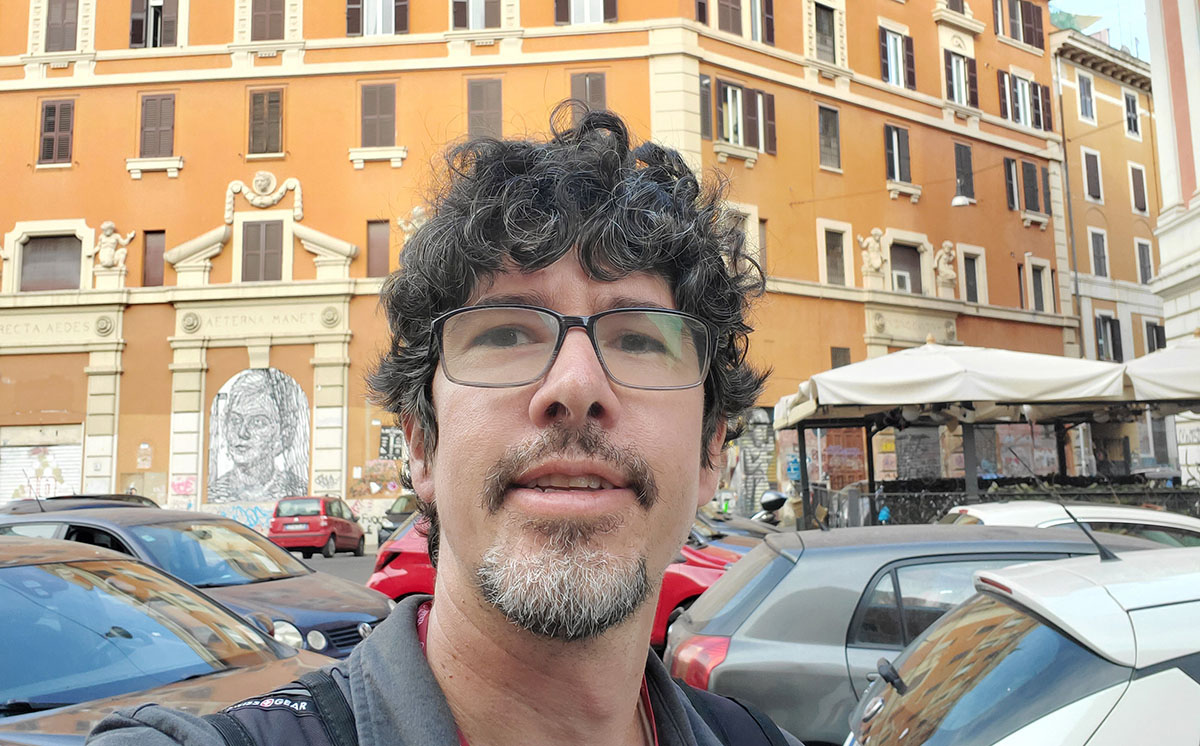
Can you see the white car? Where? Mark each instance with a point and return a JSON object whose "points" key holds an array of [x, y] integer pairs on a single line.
{"points": [[1073, 652], [1171, 529]]}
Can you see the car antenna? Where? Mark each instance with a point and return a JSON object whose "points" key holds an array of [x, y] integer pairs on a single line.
{"points": [[1106, 554], [36, 496]]}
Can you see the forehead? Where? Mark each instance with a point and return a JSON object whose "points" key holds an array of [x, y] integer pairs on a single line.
{"points": [[565, 287], [251, 400]]}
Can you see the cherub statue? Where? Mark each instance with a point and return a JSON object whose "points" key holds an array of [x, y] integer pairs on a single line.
{"points": [[111, 246], [944, 262], [416, 218], [872, 254]]}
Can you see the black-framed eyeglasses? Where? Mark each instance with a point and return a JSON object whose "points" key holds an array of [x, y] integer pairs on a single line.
{"points": [[514, 345]]}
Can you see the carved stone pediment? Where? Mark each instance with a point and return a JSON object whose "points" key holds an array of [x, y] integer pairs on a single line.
{"points": [[262, 193]]}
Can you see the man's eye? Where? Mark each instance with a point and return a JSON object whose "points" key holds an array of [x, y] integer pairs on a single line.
{"points": [[502, 336], [639, 344]]}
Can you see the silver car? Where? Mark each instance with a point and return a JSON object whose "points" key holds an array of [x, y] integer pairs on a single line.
{"points": [[797, 626]]}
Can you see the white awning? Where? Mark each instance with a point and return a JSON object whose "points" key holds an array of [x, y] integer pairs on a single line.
{"points": [[1170, 373]]}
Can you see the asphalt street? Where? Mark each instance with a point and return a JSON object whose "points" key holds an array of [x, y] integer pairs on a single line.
{"points": [[354, 569]]}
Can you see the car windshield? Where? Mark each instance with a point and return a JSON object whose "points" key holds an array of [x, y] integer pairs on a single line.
{"points": [[289, 508], [210, 553], [403, 504], [77, 631], [984, 671]]}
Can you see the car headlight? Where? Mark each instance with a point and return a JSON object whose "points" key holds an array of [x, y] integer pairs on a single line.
{"points": [[288, 634], [392, 604], [316, 640]]}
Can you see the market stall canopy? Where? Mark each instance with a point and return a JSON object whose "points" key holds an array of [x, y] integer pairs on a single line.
{"points": [[1172, 373]]}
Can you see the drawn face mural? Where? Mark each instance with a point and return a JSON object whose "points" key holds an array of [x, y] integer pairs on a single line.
{"points": [[258, 442]]}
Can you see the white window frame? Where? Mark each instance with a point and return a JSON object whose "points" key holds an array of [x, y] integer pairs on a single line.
{"points": [[847, 231], [1137, 103], [293, 22], [960, 89], [1100, 176], [840, 52], [1079, 76], [896, 176], [287, 217], [760, 106], [836, 110], [377, 11], [1129, 167], [1022, 113], [895, 50], [754, 23], [1098, 313], [749, 215], [1047, 286], [734, 115], [1093, 230], [1138, 242], [1018, 33], [1148, 336], [1014, 166], [593, 10], [979, 254], [14, 246]]}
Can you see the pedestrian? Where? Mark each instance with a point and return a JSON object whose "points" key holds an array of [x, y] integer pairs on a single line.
{"points": [[568, 349]]}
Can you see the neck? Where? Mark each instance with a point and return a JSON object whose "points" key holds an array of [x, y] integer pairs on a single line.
{"points": [[508, 687], [257, 472]]}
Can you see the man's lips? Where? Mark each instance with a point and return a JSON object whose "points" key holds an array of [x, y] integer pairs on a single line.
{"points": [[558, 476]]}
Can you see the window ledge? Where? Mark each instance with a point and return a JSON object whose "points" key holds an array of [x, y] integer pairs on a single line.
{"points": [[831, 169], [266, 47], [829, 69], [57, 59], [51, 166], [483, 37], [726, 149], [971, 25], [1030, 218], [265, 156], [1020, 45], [912, 191], [171, 164], [395, 154], [961, 110]]}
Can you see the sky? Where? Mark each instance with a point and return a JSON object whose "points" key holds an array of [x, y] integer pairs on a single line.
{"points": [[1125, 20]]}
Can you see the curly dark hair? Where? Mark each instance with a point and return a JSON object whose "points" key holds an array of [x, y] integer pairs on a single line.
{"points": [[523, 204]]}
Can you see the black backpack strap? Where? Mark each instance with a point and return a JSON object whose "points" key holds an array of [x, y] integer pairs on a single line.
{"points": [[332, 704], [230, 729], [735, 722]]}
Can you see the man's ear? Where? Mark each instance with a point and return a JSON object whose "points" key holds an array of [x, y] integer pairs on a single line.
{"points": [[419, 461], [711, 475]]}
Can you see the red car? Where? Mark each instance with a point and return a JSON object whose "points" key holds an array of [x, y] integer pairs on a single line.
{"points": [[316, 524], [402, 568]]}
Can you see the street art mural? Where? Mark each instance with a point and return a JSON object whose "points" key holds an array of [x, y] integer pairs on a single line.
{"points": [[753, 453], [258, 442]]}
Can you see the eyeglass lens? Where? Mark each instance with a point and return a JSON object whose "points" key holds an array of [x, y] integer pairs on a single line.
{"points": [[497, 346]]}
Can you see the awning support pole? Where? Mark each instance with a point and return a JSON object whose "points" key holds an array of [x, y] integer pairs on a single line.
{"points": [[1060, 439], [805, 488], [870, 433], [970, 465]]}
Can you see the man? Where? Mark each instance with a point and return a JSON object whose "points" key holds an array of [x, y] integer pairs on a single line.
{"points": [[568, 347]]}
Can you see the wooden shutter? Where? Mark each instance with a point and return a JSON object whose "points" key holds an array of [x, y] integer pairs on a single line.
{"points": [[262, 251], [1038, 39], [354, 17], [483, 108], [1002, 82], [972, 84], [170, 23], [721, 99], [57, 125], [1114, 325], [1035, 105], [905, 173], [1101, 353], [706, 107], [266, 121], [401, 16], [1092, 166], [252, 235], [1015, 14], [62, 18], [1046, 189], [491, 13], [1028, 25], [275, 22], [158, 126], [997, 22], [258, 20], [378, 238], [610, 11], [948, 61], [379, 116], [769, 123], [562, 12], [154, 244], [889, 152], [702, 11], [1139, 190], [1014, 96], [884, 71], [137, 24], [597, 96], [1029, 180], [768, 34], [460, 14], [1010, 186], [910, 65], [1047, 108], [750, 118], [964, 178]]}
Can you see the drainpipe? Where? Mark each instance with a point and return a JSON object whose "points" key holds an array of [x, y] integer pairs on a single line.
{"points": [[1070, 213]]}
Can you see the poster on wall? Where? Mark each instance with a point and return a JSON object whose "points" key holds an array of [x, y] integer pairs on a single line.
{"points": [[258, 438]]}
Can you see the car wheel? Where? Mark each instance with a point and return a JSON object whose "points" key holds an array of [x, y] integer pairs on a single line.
{"points": [[361, 548], [307, 554], [330, 547]]}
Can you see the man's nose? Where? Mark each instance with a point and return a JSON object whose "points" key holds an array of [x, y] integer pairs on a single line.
{"points": [[576, 389]]}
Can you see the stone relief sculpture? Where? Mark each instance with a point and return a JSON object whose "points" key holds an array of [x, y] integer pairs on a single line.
{"points": [[262, 194], [944, 262], [258, 445], [112, 247], [872, 255], [416, 218]]}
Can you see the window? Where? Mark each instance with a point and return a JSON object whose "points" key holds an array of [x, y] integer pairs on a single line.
{"points": [[586, 11], [1145, 261], [762, 244], [479, 14], [1021, 103], [835, 263], [896, 153], [1021, 284], [376, 17], [897, 62], [962, 82], [155, 243], [1038, 276], [964, 177], [1010, 183], [955, 5], [57, 123], [266, 121], [971, 277], [1029, 178], [1156, 336], [729, 119], [51, 263], [153, 23], [839, 357], [484, 108], [746, 117], [378, 238], [1046, 189], [729, 16], [906, 268], [158, 126], [1099, 245], [262, 251], [1108, 339], [62, 20], [1025, 102], [706, 107], [1137, 188], [762, 21], [825, 34], [1133, 124], [1024, 22], [31, 530], [830, 134], [1091, 175], [1087, 104], [702, 11], [266, 20], [379, 116], [589, 88]]}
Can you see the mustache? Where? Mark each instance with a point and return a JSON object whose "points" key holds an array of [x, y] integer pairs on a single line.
{"points": [[560, 441]]}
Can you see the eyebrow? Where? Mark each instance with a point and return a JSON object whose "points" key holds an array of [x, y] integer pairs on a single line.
{"points": [[537, 299]]}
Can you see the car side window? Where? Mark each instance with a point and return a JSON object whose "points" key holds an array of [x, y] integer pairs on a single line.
{"points": [[879, 622], [31, 530], [347, 513], [97, 537], [1172, 537], [335, 507]]}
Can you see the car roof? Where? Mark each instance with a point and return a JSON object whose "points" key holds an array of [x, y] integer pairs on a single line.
{"points": [[20, 550], [1131, 611], [74, 502], [126, 516], [1043, 510]]}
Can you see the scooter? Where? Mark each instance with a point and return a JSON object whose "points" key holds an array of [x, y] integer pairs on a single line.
{"points": [[771, 502]]}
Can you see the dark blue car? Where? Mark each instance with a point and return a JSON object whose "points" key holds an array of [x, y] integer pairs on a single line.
{"points": [[232, 563]]}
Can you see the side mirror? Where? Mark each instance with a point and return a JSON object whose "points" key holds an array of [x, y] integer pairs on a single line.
{"points": [[263, 622], [772, 500]]}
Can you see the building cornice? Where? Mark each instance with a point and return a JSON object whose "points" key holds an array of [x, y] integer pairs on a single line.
{"points": [[1093, 54]]}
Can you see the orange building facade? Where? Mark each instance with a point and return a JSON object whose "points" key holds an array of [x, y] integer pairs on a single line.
{"points": [[201, 201]]}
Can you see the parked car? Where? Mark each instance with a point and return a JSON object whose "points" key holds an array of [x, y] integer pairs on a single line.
{"points": [[402, 568], [1172, 529], [1069, 653], [797, 625], [88, 630], [397, 513], [76, 502], [232, 563], [316, 524]]}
